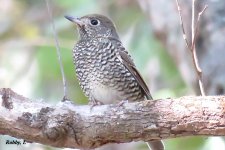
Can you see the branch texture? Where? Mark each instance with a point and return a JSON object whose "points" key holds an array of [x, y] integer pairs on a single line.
{"points": [[68, 125]]}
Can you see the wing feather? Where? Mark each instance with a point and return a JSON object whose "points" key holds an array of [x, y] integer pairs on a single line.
{"points": [[129, 64]]}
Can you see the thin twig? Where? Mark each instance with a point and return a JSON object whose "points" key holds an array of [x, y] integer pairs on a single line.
{"points": [[193, 25], [194, 32], [58, 50], [197, 24], [182, 25]]}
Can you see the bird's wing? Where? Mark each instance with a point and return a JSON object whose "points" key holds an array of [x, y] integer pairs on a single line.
{"points": [[129, 64]]}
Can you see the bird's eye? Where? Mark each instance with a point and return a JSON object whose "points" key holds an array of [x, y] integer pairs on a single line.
{"points": [[94, 22]]}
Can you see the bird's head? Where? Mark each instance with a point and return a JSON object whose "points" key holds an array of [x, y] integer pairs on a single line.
{"points": [[94, 26]]}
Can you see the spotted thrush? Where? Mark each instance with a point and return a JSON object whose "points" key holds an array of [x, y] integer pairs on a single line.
{"points": [[105, 70]]}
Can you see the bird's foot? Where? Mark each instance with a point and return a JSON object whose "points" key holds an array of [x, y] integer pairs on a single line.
{"points": [[94, 103], [121, 103]]}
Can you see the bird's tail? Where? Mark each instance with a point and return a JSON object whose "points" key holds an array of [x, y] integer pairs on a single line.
{"points": [[155, 145]]}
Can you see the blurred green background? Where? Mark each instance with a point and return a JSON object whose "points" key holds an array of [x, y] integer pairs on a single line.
{"points": [[29, 63]]}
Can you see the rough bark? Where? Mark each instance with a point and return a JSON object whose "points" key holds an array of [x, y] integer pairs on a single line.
{"points": [[69, 125]]}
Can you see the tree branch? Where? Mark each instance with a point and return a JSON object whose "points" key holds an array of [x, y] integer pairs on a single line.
{"points": [[68, 125]]}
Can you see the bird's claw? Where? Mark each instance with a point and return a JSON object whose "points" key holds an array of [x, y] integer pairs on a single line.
{"points": [[121, 103], [94, 103]]}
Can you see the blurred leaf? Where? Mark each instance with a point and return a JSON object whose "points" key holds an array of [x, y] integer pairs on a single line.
{"points": [[185, 143]]}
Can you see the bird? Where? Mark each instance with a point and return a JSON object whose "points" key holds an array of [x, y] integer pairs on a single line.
{"points": [[105, 70]]}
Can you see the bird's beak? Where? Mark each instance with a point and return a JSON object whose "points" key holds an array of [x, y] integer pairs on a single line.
{"points": [[76, 20]]}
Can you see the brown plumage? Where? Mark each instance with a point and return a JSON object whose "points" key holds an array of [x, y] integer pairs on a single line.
{"points": [[105, 70]]}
